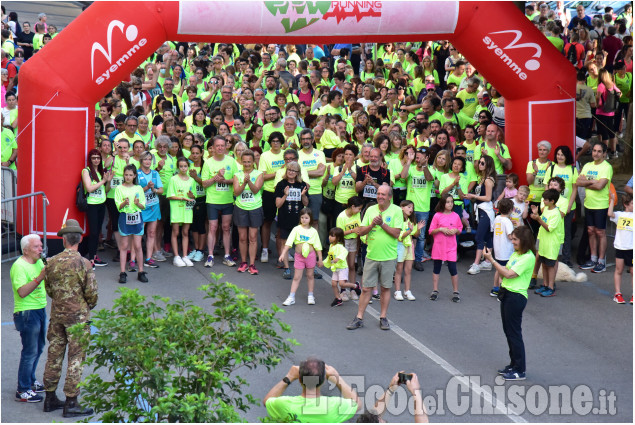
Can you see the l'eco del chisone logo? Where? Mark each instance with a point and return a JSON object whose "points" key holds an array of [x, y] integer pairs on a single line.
{"points": [[131, 34], [500, 50]]}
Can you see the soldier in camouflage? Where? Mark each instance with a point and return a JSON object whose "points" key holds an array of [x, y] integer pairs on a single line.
{"points": [[70, 282]]}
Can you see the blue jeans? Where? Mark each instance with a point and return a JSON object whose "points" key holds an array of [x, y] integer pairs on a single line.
{"points": [[421, 239], [32, 327], [483, 234]]}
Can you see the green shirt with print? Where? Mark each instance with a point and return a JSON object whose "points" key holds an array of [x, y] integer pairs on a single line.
{"points": [[381, 245], [523, 266]]}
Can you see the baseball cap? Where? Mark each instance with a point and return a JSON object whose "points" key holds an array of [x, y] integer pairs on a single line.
{"points": [[430, 86]]}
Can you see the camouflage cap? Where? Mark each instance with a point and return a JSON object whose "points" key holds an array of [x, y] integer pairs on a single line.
{"points": [[71, 226]]}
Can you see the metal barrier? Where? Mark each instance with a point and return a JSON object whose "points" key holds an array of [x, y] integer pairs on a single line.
{"points": [[35, 214]]}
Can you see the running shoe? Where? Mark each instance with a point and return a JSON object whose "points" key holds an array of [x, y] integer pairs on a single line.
{"points": [[253, 270], [228, 261], [243, 267], [123, 277], [494, 291], [98, 262], [198, 256], [142, 277], [344, 295], [455, 297], [210, 261], [289, 301], [287, 274], [474, 269], [28, 396], [37, 387], [409, 295], [514, 376], [336, 302], [150, 262], [355, 324], [158, 256], [588, 265], [398, 296], [264, 256], [434, 295], [540, 290], [599, 268], [548, 293], [383, 324], [178, 261], [618, 298], [310, 300], [188, 262], [132, 266], [485, 265]]}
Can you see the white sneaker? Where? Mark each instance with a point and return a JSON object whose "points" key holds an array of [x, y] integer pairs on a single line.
{"points": [[474, 269], [398, 296], [410, 296], [178, 261], [188, 262], [264, 256], [310, 300], [289, 301], [354, 296], [485, 265], [290, 257], [344, 296]]}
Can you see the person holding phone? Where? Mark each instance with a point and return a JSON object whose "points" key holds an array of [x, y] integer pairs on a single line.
{"points": [[516, 275]]}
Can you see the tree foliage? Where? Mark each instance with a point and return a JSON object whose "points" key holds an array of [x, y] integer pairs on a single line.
{"points": [[171, 361]]}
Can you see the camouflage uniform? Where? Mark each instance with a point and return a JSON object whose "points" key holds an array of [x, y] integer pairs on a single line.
{"points": [[70, 282]]}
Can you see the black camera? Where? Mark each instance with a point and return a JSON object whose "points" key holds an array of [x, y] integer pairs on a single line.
{"points": [[404, 377]]}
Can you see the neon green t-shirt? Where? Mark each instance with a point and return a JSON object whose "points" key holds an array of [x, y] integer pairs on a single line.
{"points": [[470, 149], [346, 186], [135, 191], [491, 152], [446, 180], [381, 245], [328, 190], [539, 185], [597, 199], [270, 163], [300, 235], [219, 193], [98, 196], [248, 200], [396, 167], [22, 272], [549, 245], [569, 174], [310, 162], [347, 223], [312, 410], [8, 144], [339, 252], [418, 190], [523, 266], [181, 211]]}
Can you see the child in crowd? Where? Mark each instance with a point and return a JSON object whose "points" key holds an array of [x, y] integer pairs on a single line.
{"points": [[349, 221], [405, 249], [307, 245], [521, 206], [511, 184], [503, 247], [130, 201], [549, 241], [336, 261], [623, 242], [444, 227], [181, 189]]}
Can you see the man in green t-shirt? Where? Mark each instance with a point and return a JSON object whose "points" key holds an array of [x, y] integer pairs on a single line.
{"points": [[217, 175], [595, 178], [29, 315], [382, 223], [310, 406]]}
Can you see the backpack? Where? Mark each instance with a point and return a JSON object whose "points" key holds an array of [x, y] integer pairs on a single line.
{"points": [[572, 54], [80, 197], [610, 102]]}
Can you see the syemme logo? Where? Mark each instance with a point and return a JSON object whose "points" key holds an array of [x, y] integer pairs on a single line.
{"points": [[530, 65], [131, 34]]}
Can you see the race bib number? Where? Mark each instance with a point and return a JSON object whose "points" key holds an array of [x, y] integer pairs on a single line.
{"points": [[189, 205], [329, 194], [247, 197], [625, 223], [454, 193], [295, 195], [151, 198], [419, 182], [222, 187], [346, 183], [134, 218], [116, 181], [370, 192], [540, 181], [351, 226], [98, 193], [200, 190]]}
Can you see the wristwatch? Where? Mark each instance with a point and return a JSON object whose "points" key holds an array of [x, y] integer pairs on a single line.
{"points": [[286, 380]]}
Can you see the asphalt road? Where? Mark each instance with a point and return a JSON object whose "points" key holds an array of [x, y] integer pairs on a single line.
{"points": [[578, 339]]}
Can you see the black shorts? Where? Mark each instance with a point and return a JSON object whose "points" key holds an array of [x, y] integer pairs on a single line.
{"points": [[284, 233], [606, 126], [626, 255], [547, 261], [199, 217], [596, 218], [269, 209], [583, 127]]}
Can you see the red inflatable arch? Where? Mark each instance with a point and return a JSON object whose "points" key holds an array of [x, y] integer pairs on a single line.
{"points": [[110, 39]]}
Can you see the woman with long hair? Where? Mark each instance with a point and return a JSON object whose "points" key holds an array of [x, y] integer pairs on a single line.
{"points": [[605, 110], [482, 198], [96, 182]]}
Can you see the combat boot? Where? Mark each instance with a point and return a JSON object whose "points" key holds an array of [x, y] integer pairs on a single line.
{"points": [[51, 402], [73, 408]]}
